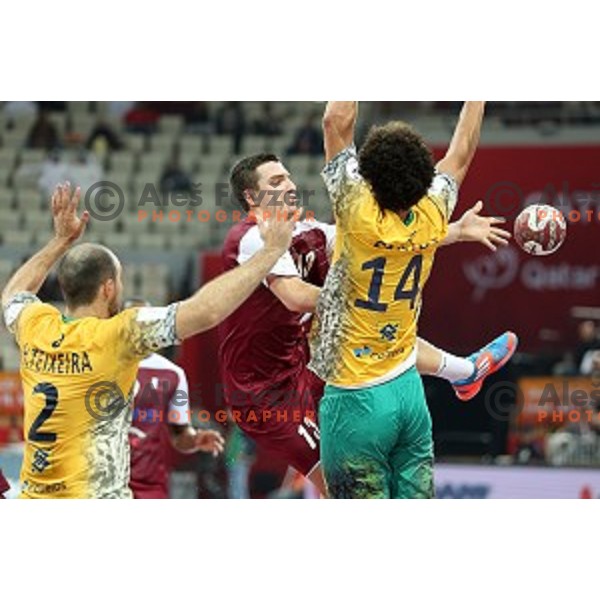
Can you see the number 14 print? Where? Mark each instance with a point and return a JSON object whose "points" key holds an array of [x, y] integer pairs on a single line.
{"points": [[377, 265]]}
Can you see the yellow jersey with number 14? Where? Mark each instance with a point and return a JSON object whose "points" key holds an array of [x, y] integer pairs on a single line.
{"points": [[365, 329], [78, 378]]}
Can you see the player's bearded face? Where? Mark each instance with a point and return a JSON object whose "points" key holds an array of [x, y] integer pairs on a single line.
{"points": [[115, 302]]}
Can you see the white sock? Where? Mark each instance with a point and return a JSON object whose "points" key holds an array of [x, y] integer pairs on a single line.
{"points": [[455, 368]]}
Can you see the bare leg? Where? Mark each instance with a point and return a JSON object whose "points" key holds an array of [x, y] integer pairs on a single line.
{"points": [[429, 358], [436, 362], [317, 479]]}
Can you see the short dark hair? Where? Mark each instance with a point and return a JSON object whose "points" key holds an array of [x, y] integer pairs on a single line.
{"points": [[397, 164], [243, 175], [82, 271]]}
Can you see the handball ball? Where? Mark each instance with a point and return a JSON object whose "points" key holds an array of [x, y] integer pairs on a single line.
{"points": [[540, 229]]}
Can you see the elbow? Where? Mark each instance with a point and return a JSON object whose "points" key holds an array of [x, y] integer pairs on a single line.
{"points": [[296, 305], [6, 295], [304, 305]]}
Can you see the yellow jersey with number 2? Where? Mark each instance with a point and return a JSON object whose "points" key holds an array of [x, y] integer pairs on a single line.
{"points": [[78, 377]]}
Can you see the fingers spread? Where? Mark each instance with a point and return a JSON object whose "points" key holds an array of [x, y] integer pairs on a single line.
{"points": [[500, 232], [74, 202], [489, 244], [498, 240]]}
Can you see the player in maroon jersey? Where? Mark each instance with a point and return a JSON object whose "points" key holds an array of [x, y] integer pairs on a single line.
{"points": [[264, 351], [161, 415], [4, 487]]}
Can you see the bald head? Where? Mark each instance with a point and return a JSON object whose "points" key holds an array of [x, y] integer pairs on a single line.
{"points": [[83, 270]]}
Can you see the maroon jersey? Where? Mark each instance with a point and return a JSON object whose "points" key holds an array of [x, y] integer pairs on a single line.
{"points": [[161, 397], [263, 351], [4, 487]]}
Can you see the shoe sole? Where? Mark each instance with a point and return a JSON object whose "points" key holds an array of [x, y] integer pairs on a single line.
{"points": [[475, 388]]}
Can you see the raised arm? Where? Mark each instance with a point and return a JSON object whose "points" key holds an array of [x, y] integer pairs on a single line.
{"points": [[339, 122], [216, 300], [68, 228], [464, 142]]}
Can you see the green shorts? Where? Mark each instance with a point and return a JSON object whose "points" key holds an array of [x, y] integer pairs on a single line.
{"points": [[376, 442]]}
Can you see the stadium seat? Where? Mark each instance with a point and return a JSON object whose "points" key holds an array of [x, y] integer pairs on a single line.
{"points": [[122, 162], [161, 144], [212, 166], [13, 138], [152, 163], [151, 241], [10, 218], [135, 142], [221, 145], [37, 220], [17, 238], [6, 269], [7, 197], [7, 159], [302, 165], [190, 145], [28, 199], [170, 124], [118, 241], [82, 124]]}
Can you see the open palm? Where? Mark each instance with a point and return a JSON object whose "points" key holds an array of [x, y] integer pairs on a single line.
{"points": [[67, 224], [485, 230]]}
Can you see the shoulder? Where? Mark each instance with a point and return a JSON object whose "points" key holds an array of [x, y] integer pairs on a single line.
{"points": [[24, 307], [443, 194], [242, 238], [250, 241]]}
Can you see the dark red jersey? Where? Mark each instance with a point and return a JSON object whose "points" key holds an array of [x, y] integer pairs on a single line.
{"points": [[161, 397], [263, 350]]}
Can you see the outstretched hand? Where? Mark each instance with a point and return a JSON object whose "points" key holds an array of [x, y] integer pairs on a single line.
{"points": [[68, 226], [475, 228], [209, 440], [276, 230]]}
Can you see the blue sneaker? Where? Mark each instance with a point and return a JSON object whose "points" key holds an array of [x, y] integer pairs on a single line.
{"points": [[488, 360]]}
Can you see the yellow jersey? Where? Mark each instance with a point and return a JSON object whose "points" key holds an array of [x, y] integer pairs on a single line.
{"points": [[78, 377], [365, 328]]}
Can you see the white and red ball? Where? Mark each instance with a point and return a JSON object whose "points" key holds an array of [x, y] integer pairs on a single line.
{"points": [[540, 229]]}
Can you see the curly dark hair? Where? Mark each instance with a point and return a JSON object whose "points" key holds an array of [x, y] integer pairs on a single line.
{"points": [[243, 175], [397, 164]]}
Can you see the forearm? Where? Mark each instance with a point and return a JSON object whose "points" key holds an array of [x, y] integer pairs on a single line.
{"points": [[466, 138], [295, 294], [216, 300], [341, 114], [468, 130], [453, 235], [30, 276], [339, 122], [309, 299]]}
